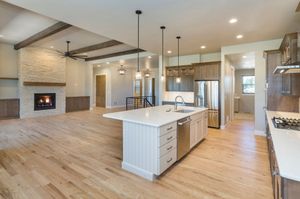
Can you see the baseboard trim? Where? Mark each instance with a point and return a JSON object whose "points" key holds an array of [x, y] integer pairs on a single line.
{"points": [[116, 106], [138, 171], [260, 133]]}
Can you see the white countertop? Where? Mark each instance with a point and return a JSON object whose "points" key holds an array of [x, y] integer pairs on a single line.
{"points": [[153, 116], [287, 146]]}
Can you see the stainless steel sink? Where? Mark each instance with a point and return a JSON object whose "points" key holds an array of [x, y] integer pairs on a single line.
{"points": [[184, 111]]}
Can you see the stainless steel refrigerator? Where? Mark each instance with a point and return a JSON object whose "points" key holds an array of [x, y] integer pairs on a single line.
{"points": [[207, 95]]}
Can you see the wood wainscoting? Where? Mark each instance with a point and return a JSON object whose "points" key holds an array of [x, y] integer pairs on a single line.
{"points": [[9, 108], [79, 103]]}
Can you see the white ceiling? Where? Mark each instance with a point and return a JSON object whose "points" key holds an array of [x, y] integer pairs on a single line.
{"points": [[145, 63], [17, 24], [242, 61], [199, 22]]}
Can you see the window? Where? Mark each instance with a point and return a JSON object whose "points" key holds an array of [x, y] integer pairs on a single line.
{"points": [[248, 85]]}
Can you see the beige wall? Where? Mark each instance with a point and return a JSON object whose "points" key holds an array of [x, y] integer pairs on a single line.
{"points": [[118, 87], [77, 75], [246, 102], [8, 68], [229, 89]]}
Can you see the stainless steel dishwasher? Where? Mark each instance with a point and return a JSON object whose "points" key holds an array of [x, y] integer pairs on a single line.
{"points": [[183, 137]]}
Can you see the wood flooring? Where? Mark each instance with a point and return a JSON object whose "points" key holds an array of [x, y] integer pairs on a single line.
{"points": [[78, 155]]}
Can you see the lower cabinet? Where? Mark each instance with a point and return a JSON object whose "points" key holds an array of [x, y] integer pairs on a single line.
{"points": [[198, 128]]}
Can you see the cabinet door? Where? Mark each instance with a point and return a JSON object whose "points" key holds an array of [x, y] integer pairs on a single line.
{"points": [[193, 130], [199, 132], [197, 73], [212, 71], [169, 83], [203, 73], [205, 124]]}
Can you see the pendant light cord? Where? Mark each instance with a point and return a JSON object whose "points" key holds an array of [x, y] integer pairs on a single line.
{"points": [[162, 48], [178, 37], [138, 12]]}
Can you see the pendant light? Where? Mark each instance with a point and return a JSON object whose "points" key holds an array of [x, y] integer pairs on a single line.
{"points": [[138, 74], [122, 70], [162, 52], [147, 73], [178, 79]]}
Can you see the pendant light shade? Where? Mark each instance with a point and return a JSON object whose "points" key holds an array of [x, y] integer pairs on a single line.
{"points": [[178, 78], [138, 74], [162, 52], [122, 70]]}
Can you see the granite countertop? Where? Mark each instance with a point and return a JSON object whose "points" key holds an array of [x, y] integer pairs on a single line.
{"points": [[153, 116], [287, 146]]}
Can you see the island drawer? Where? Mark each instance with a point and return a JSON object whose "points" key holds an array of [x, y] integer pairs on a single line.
{"points": [[167, 138], [167, 160], [168, 128], [168, 147]]}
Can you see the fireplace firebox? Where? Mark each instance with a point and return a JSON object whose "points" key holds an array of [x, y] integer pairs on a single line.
{"points": [[44, 101]]}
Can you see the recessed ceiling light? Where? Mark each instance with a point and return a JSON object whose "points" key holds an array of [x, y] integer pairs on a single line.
{"points": [[244, 56], [149, 57], [51, 46], [169, 51], [239, 36], [233, 20], [85, 54], [108, 62], [1, 36], [203, 47]]}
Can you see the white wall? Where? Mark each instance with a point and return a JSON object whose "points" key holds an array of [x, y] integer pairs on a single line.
{"points": [[77, 75], [8, 68], [196, 58], [260, 73]]}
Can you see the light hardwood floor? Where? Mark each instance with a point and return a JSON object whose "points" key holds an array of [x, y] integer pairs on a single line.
{"points": [[78, 155]]}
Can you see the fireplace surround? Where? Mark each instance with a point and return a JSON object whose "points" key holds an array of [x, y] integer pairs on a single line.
{"points": [[44, 101]]}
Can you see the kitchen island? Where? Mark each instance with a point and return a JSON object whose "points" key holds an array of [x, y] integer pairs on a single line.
{"points": [[150, 137]]}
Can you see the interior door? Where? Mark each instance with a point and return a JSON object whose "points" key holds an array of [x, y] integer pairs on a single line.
{"points": [[100, 90]]}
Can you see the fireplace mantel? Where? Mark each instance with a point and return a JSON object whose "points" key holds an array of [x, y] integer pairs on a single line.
{"points": [[44, 84]]}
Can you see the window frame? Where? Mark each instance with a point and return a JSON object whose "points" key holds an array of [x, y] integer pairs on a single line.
{"points": [[247, 93]]}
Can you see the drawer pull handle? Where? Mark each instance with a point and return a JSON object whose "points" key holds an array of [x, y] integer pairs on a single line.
{"points": [[169, 128], [169, 138], [170, 160], [170, 148]]}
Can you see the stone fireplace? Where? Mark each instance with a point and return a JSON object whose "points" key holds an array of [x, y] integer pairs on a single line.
{"points": [[42, 80], [44, 101]]}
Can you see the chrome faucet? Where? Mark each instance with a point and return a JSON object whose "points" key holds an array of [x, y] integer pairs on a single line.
{"points": [[182, 102]]}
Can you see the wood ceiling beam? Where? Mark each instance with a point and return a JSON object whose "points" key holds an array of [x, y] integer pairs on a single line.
{"points": [[298, 8], [127, 52], [60, 26], [96, 47]]}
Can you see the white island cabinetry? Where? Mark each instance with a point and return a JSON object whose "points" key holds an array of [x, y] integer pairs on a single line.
{"points": [[198, 128], [150, 138]]}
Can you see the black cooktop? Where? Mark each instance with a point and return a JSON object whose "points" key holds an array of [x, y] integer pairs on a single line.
{"points": [[286, 123]]}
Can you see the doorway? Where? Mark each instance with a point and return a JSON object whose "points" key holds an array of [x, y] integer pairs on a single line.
{"points": [[244, 88], [101, 91]]}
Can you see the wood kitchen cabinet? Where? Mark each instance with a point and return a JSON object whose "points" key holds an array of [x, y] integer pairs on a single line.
{"points": [[279, 86], [207, 71], [289, 49]]}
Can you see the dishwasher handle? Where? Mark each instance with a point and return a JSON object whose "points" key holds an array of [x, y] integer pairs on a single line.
{"points": [[184, 121]]}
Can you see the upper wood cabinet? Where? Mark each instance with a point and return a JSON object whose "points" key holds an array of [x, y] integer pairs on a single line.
{"points": [[207, 71], [289, 48]]}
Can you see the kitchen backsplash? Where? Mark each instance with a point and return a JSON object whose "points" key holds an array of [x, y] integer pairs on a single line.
{"points": [[187, 96]]}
